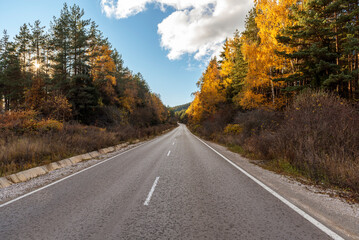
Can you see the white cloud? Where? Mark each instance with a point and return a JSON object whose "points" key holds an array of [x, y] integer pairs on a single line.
{"points": [[196, 27], [123, 8]]}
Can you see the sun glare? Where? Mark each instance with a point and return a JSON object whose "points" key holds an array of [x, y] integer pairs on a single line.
{"points": [[37, 65]]}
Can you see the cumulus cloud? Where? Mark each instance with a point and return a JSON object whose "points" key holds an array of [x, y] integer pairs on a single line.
{"points": [[196, 27]]}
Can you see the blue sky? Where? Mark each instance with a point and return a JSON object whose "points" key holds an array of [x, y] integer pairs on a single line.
{"points": [[168, 41]]}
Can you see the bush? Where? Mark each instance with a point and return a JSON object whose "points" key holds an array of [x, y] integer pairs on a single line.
{"points": [[317, 136], [56, 107], [233, 129], [19, 121], [320, 136], [49, 125]]}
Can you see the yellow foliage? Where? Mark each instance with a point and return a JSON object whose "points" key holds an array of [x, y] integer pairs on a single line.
{"points": [[50, 125], [103, 65], [210, 95], [27, 121], [233, 129], [264, 64], [250, 100], [195, 110], [228, 62]]}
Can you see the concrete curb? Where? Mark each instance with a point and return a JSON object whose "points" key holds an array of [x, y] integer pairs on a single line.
{"points": [[28, 174]]}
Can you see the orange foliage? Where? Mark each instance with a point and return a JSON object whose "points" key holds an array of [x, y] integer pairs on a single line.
{"points": [[211, 94], [103, 66], [27, 121], [263, 62]]}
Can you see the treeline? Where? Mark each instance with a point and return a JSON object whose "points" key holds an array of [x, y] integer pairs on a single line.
{"points": [[179, 112], [71, 72], [286, 89], [65, 91], [287, 46]]}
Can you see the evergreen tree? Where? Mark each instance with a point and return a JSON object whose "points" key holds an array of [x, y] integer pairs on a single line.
{"points": [[78, 40], [12, 86], [60, 41], [312, 37], [38, 42], [22, 41]]}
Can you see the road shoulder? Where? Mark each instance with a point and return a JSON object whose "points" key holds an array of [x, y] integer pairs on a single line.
{"points": [[334, 212]]}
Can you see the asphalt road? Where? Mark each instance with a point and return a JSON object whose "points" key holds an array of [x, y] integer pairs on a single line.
{"points": [[173, 187]]}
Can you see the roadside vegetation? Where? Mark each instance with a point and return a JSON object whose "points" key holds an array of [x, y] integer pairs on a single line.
{"points": [[287, 93], [65, 91]]}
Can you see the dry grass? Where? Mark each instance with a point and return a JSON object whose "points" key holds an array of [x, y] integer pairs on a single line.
{"points": [[320, 136], [22, 151], [317, 137]]}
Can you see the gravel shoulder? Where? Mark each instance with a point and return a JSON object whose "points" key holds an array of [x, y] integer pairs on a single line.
{"points": [[334, 212]]}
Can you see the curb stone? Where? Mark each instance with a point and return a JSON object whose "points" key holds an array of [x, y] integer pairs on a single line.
{"points": [[4, 182], [28, 174]]}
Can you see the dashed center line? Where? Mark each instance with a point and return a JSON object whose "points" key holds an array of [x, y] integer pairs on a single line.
{"points": [[173, 143], [169, 152], [148, 199]]}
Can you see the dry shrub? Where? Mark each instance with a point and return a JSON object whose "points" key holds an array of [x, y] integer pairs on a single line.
{"points": [[255, 122], [19, 121], [29, 149], [27, 121], [49, 125], [258, 131], [320, 136], [233, 129], [56, 107]]}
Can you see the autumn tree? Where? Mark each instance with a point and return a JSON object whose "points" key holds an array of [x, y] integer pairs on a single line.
{"points": [[211, 94], [265, 66], [71, 72], [103, 71]]}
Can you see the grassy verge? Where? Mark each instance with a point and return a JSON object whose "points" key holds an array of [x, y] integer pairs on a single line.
{"points": [[30, 149], [284, 167], [316, 138]]}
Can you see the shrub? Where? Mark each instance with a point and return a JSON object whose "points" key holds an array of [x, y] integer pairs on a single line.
{"points": [[19, 121], [320, 136], [56, 107], [57, 141], [233, 129], [49, 125]]}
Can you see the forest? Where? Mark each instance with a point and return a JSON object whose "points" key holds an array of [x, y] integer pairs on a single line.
{"points": [[64, 90], [286, 89]]}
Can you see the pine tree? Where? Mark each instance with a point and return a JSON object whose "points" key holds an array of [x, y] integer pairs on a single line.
{"points": [[78, 40], [38, 42], [12, 86], [22, 41], [312, 37], [60, 41]]}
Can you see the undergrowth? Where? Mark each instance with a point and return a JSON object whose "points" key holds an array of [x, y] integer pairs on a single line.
{"points": [[317, 138], [26, 142]]}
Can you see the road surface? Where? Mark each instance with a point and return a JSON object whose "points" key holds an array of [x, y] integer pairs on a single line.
{"points": [[174, 187]]}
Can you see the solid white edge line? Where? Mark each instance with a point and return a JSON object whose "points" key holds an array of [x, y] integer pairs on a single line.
{"points": [[275, 194], [169, 152], [62, 179], [148, 199]]}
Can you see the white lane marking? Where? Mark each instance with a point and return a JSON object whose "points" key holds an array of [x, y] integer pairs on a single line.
{"points": [[315, 222], [173, 143], [169, 152], [148, 199], [62, 179]]}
